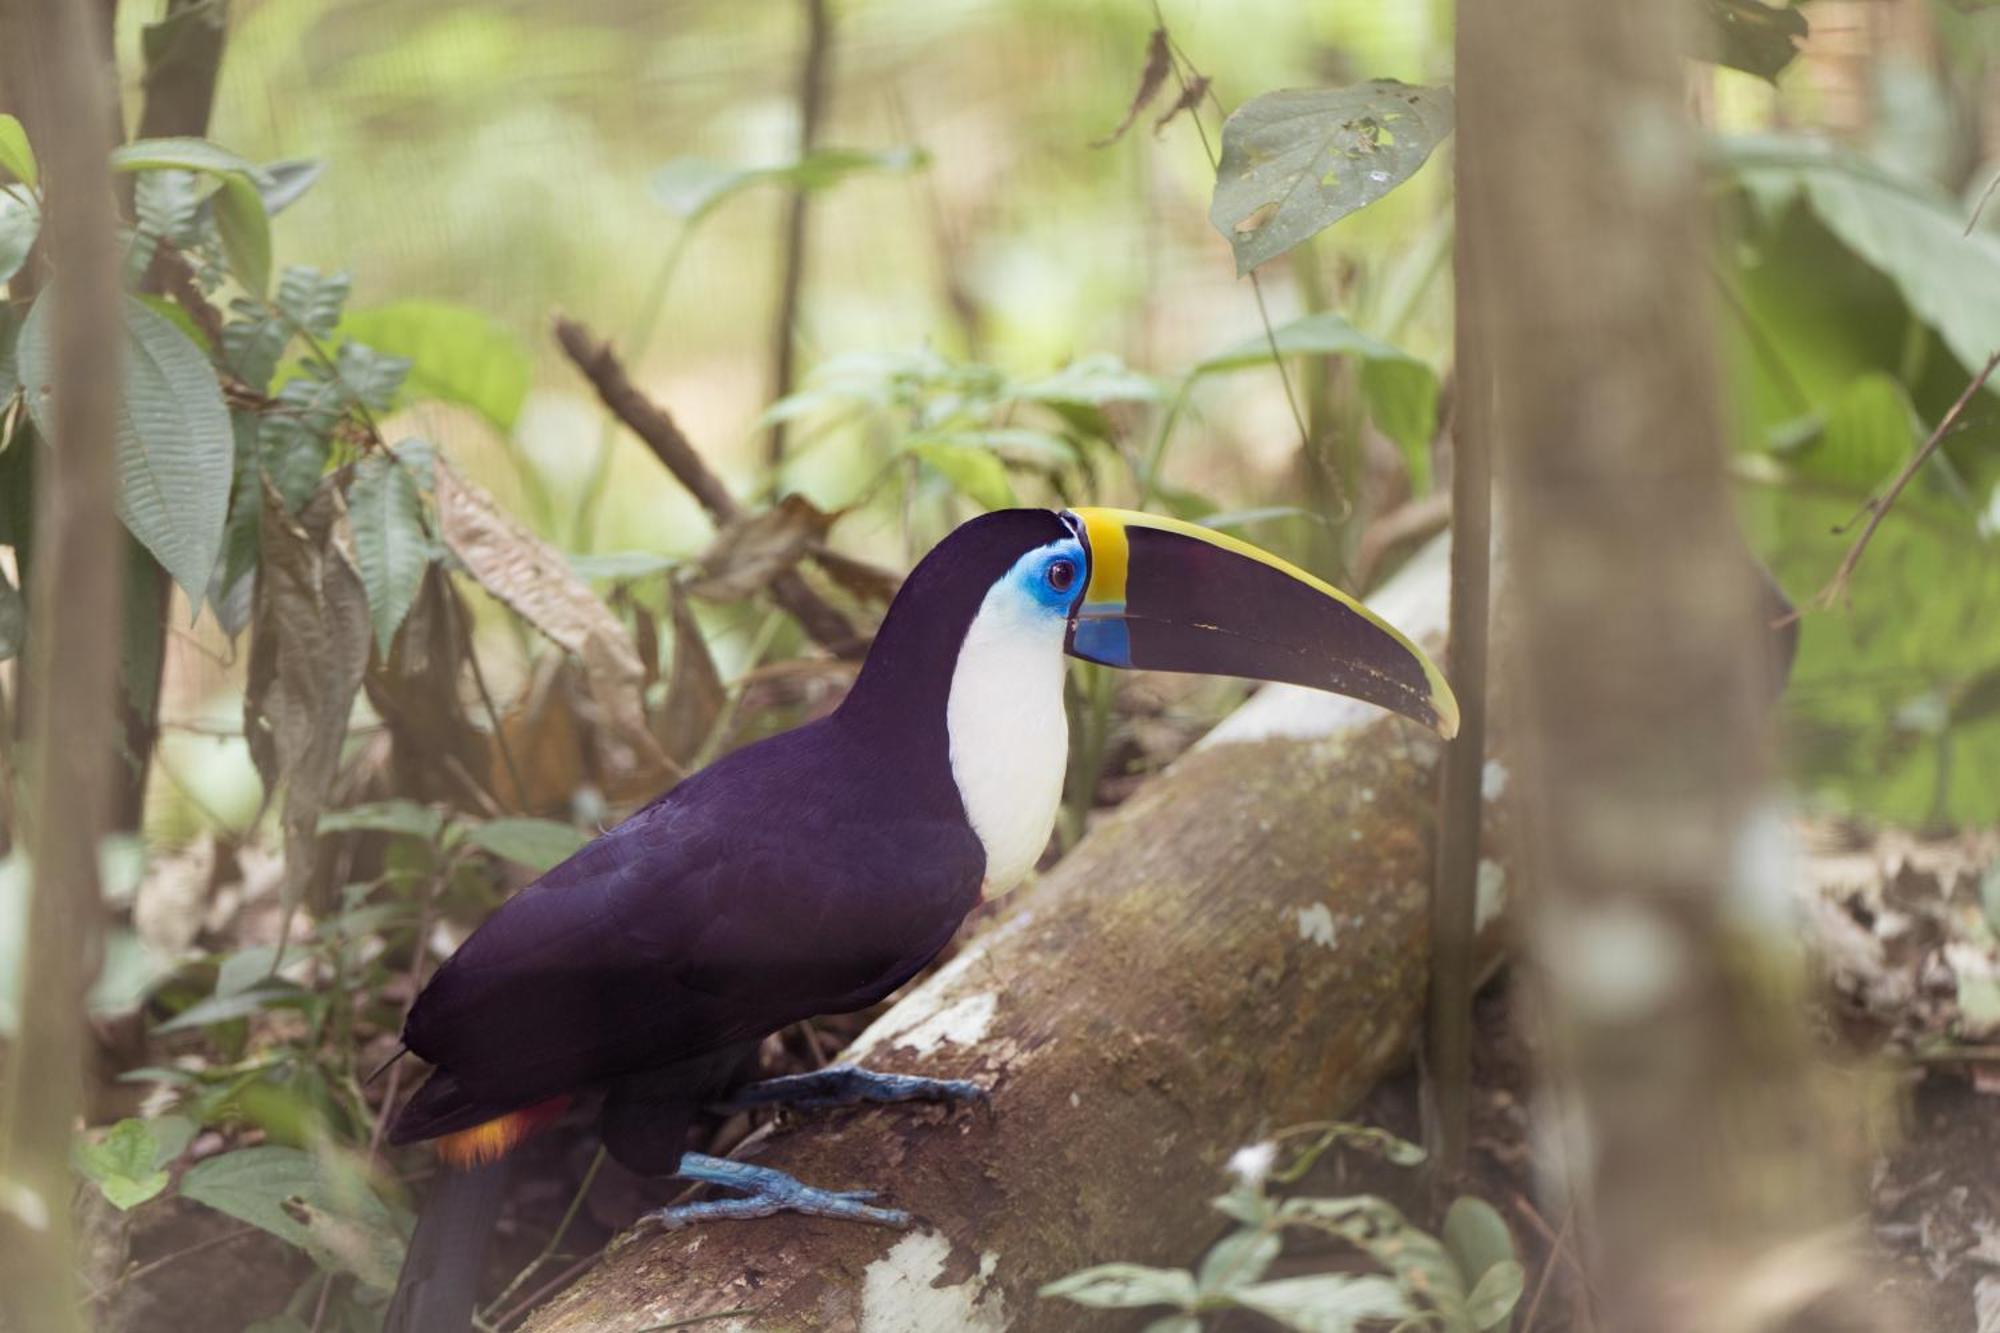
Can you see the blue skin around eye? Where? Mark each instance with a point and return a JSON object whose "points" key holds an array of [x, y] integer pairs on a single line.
{"points": [[1032, 574]]}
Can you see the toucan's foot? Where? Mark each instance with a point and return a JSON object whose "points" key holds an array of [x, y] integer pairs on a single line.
{"points": [[766, 1192], [847, 1085]]}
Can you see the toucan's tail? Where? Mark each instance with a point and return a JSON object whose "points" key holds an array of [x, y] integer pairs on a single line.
{"points": [[439, 1284]]}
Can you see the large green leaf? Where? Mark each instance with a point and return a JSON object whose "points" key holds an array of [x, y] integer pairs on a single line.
{"points": [[1907, 229], [1868, 434], [175, 452], [16, 157], [456, 355], [1326, 1302], [20, 223], [973, 470], [289, 1193], [129, 1162], [391, 547], [1297, 161]]}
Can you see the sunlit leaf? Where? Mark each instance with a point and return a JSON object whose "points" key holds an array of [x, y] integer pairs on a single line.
{"points": [[1477, 1238], [175, 451], [245, 229], [186, 154], [128, 1162], [973, 471], [1238, 1259], [1297, 161], [16, 157], [1490, 1304], [456, 355]]}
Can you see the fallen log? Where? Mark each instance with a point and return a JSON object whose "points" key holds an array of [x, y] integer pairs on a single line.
{"points": [[1241, 946]]}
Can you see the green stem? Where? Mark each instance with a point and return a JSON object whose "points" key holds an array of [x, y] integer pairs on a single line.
{"points": [[651, 307]]}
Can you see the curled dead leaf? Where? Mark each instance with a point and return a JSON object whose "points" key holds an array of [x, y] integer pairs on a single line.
{"points": [[751, 552]]}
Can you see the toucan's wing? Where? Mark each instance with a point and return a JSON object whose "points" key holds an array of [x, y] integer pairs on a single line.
{"points": [[690, 927]]}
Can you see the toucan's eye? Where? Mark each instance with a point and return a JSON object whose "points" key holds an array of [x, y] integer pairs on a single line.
{"points": [[1061, 574]]}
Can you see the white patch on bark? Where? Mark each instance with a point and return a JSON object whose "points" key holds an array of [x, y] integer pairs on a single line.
{"points": [[1415, 602], [901, 1291], [1490, 894], [1492, 780], [961, 1023], [1316, 924], [938, 1011]]}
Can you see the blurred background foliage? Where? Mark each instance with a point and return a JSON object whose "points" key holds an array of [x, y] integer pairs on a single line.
{"points": [[998, 307]]}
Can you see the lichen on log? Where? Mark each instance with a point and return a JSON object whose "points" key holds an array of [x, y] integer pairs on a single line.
{"points": [[1241, 946]]}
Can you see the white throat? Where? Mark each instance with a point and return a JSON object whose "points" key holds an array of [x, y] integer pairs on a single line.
{"points": [[1009, 734]]}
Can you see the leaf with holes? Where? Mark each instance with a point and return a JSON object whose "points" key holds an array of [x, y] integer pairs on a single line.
{"points": [[391, 547], [175, 453], [1297, 161]]}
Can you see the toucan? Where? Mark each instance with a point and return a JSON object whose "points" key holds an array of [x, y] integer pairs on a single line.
{"points": [[817, 870]]}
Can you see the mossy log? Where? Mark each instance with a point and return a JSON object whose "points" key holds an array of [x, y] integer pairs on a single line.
{"points": [[1239, 947]]}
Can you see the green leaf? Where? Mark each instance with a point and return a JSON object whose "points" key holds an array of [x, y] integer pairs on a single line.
{"points": [[254, 1185], [1238, 1259], [456, 355], [1125, 1287], [16, 157], [1327, 1302], [225, 1008], [20, 223], [185, 154], [1174, 1323], [621, 566], [1867, 438], [369, 376], [1908, 230], [175, 451], [1402, 399], [690, 187], [283, 184], [1492, 1299], [313, 300], [128, 1163], [1478, 1241], [1091, 381], [973, 472], [13, 619], [245, 229], [404, 817], [539, 844], [1297, 161], [1752, 36], [391, 546]]}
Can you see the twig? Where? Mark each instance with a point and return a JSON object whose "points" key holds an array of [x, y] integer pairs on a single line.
{"points": [[651, 423], [812, 107], [1542, 1282], [1836, 589], [555, 1237]]}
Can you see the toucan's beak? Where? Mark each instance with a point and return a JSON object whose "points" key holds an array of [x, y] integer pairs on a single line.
{"points": [[1170, 596]]}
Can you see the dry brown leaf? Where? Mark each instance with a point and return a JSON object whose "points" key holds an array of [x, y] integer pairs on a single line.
{"points": [[1158, 62], [752, 551], [438, 754], [695, 692], [861, 579], [309, 646], [534, 580]]}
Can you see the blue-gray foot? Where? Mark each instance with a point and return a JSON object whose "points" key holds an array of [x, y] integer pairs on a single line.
{"points": [[766, 1192], [847, 1085]]}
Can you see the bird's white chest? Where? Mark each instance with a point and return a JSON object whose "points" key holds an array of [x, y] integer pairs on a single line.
{"points": [[1009, 734]]}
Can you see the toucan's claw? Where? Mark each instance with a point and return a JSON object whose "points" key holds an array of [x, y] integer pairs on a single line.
{"points": [[848, 1085], [766, 1192]]}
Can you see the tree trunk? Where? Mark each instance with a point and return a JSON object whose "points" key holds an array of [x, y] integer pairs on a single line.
{"points": [[1660, 866], [1241, 946]]}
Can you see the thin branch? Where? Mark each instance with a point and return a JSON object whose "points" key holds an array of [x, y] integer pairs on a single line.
{"points": [[1985, 198], [1836, 589], [658, 430], [812, 109]]}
